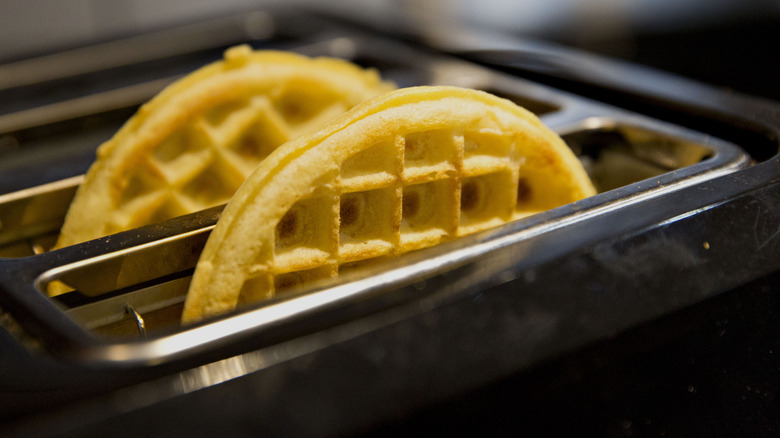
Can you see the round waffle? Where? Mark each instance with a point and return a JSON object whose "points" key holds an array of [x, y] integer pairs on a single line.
{"points": [[191, 146], [400, 172]]}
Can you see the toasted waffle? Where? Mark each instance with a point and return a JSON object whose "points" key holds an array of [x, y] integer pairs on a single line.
{"points": [[401, 172], [190, 147]]}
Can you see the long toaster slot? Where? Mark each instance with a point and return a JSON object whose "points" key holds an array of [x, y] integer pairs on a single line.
{"points": [[153, 278]]}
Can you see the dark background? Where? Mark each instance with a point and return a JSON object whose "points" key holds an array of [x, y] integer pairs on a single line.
{"points": [[730, 44]]}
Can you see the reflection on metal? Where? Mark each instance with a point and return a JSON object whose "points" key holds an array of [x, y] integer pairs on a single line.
{"points": [[139, 321]]}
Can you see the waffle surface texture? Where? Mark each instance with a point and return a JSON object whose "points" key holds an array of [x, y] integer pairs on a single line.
{"points": [[400, 172], [191, 146]]}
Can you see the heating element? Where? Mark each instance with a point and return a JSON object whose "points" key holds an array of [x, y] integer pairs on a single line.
{"points": [[687, 211]]}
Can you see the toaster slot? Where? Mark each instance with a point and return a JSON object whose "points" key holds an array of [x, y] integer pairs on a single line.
{"points": [[128, 288], [149, 281]]}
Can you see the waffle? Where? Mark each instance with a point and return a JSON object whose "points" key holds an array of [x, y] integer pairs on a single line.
{"points": [[401, 172], [190, 147]]}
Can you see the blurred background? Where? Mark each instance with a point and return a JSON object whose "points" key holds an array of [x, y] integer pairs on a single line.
{"points": [[727, 43]]}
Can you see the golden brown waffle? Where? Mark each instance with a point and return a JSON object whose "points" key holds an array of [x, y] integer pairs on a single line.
{"points": [[400, 172], [191, 146]]}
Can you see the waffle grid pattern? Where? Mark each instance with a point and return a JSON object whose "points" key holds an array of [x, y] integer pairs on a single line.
{"points": [[204, 161], [400, 195]]}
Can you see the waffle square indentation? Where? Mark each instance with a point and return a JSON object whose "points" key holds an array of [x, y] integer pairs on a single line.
{"points": [[486, 200], [429, 213], [213, 186], [431, 154], [378, 165], [258, 140], [305, 236], [182, 143], [369, 222]]}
